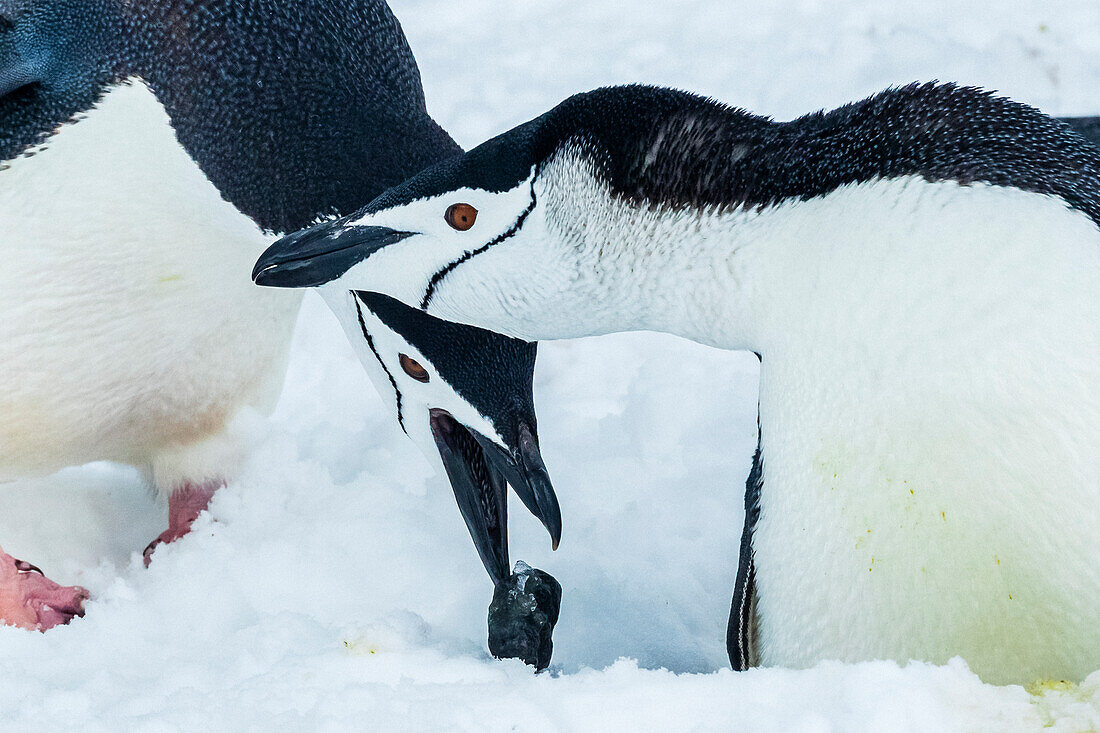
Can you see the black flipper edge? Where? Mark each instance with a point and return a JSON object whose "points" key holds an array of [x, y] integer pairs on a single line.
{"points": [[741, 641]]}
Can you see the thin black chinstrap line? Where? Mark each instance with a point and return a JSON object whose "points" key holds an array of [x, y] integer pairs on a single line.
{"points": [[447, 270], [370, 343]]}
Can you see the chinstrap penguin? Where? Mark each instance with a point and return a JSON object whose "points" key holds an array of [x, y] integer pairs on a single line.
{"points": [[919, 273], [149, 151], [465, 395]]}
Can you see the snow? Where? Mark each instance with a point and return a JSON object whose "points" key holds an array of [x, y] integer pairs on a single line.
{"points": [[333, 585]]}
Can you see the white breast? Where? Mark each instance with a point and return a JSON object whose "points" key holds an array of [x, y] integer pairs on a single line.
{"points": [[129, 327], [930, 421]]}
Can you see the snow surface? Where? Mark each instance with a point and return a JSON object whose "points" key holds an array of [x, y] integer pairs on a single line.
{"points": [[333, 586]]}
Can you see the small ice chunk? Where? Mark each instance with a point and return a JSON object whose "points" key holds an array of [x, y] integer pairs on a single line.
{"points": [[522, 571]]}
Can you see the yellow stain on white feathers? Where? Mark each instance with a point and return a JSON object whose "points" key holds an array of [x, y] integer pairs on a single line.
{"points": [[359, 648]]}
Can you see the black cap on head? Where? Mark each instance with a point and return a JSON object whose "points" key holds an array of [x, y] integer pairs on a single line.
{"points": [[494, 375], [493, 372]]}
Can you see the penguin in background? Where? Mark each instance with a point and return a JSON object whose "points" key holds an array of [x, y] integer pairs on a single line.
{"points": [[149, 151]]}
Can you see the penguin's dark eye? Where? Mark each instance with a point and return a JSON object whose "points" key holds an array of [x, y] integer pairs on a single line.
{"points": [[413, 369], [461, 216]]}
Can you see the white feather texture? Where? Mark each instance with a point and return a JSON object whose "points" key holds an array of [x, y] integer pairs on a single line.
{"points": [[930, 413], [129, 327], [930, 396]]}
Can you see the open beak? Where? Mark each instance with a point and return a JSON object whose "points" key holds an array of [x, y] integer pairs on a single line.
{"points": [[320, 254], [479, 471], [480, 489], [526, 472]]}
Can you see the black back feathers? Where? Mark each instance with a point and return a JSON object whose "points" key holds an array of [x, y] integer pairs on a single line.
{"points": [[670, 148], [662, 147]]}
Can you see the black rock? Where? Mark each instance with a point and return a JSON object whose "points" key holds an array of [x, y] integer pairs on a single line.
{"points": [[522, 616]]}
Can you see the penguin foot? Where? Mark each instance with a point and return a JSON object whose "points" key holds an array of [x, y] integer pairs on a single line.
{"points": [[30, 600], [184, 507]]}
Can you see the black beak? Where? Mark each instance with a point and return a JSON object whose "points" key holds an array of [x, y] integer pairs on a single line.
{"points": [[480, 489], [320, 254], [480, 471], [526, 472]]}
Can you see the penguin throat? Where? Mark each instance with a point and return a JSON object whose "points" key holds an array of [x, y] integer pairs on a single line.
{"points": [[312, 134]]}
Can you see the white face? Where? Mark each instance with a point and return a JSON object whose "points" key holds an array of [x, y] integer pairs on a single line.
{"points": [[546, 259], [400, 380], [490, 262]]}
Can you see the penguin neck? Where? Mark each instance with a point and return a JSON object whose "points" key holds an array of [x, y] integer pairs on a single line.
{"points": [[300, 136], [287, 138], [646, 269], [734, 230], [930, 267]]}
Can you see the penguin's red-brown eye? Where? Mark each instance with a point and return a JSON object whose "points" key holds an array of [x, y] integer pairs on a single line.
{"points": [[413, 369], [461, 216]]}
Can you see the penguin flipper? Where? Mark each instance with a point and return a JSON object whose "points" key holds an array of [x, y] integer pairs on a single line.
{"points": [[741, 632]]}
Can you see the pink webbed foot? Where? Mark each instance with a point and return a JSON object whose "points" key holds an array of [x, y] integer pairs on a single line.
{"points": [[184, 507], [30, 600]]}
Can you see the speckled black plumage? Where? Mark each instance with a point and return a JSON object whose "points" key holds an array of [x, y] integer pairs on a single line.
{"points": [[694, 152], [660, 146], [70, 52], [294, 110], [1086, 127]]}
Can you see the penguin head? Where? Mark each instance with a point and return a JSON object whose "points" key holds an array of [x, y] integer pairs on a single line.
{"points": [[464, 395], [56, 58], [501, 236]]}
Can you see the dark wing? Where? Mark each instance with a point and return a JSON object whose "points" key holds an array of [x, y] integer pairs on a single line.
{"points": [[741, 642]]}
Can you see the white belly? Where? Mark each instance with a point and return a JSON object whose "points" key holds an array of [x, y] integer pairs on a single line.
{"points": [[129, 326], [932, 465]]}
